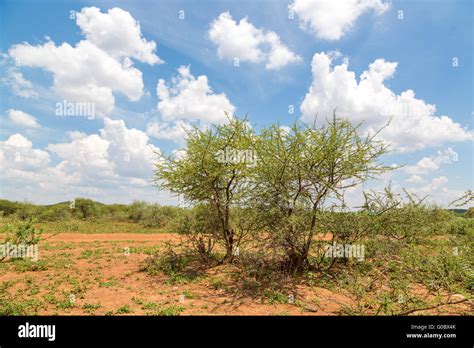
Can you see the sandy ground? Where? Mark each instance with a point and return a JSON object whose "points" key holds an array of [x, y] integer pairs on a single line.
{"points": [[93, 274]]}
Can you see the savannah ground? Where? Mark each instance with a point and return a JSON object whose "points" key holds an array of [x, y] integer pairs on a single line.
{"points": [[101, 268]]}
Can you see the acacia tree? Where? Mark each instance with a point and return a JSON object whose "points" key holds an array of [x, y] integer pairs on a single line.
{"points": [[86, 207], [298, 170], [214, 171]]}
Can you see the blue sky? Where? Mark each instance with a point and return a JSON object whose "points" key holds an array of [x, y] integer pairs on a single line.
{"points": [[321, 51]]}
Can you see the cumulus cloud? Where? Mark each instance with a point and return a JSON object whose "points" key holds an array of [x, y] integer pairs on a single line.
{"points": [[184, 102], [414, 124], [95, 68], [117, 33], [87, 156], [244, 41], [19, 85], [129, 149], [331, 20], [169, 131], [22, 118], [437, 191], [415, 179], [432, 163], [17, 153], [191, 99], [115, 152], [115, 164]]}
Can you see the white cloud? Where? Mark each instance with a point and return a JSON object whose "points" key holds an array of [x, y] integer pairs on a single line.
{"points": [[19, 85], [192, 99], [117, 33], [75, 135], [115, 165], [115, 152], [175, 131], [331, 20], [96, 67], [179, 154], [249, 44], [414, 124], [22, 118], [17, 153], [437, 191], [415, 179], [83, 73], [129, 149], [432, 163], [87, 156], [439, 181]]}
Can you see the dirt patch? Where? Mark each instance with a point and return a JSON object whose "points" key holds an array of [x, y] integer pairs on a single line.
{"points": [[102, 274]]}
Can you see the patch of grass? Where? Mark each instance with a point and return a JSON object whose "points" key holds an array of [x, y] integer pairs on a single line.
{"points": [[107, 284], [145, 249], [137, 300], [150, 306], [27, 265], [50, 298], [187, 294], [176, 266], [170, 311], [91, 307], [92, 254], [274, 296], [123, 310], [11, 306], [66, 304], [60, 261], [218, 284], [59, 246], [98, 226]]}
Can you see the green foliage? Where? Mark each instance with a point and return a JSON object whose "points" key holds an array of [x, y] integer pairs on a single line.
{"points": [[27, 265], [9, 305], [22, 232], [179, 267], [7, 207], [274, 296], [154, 215], [459, 225], [123, 310], [137, 210], [405, 217], [159, 216], [211, 173], [84, 208], [26, 211], [443, 270], [170, 311], [168, 262], [59, 212], [298, 170], [470, 213], [113, 212]]}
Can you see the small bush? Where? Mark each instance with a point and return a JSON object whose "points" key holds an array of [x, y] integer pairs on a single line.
{"points": [[55, 213], [459, 225], [22, 232], [170, 311]]}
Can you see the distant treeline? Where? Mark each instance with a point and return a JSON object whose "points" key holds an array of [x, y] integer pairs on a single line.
{"points": [[148, 214]]}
